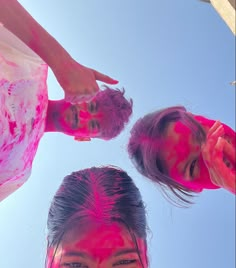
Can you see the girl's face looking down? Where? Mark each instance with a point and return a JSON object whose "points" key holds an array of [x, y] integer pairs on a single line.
{"points": [[183, 157], [99, 246]]}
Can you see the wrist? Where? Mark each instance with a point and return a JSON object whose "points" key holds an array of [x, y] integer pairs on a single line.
{"points": [[59, 60]]}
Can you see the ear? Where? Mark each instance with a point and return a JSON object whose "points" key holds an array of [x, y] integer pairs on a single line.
{"points": [[82, 138]]}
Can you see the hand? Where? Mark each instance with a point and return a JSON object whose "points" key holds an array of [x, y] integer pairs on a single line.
{"points": [[79, 82], [219, 157]]}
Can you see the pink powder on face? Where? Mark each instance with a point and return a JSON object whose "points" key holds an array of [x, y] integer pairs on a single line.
{"points": [[179, 149], [84, 118], [101, 242], [103, 245]]}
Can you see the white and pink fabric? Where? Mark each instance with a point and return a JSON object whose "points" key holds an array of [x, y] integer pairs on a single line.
{"points": [[23, 108]]}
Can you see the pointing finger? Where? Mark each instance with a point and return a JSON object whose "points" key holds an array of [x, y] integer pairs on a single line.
{"points": [[105, 78]]}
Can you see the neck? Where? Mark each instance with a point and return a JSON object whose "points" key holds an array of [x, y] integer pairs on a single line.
{"points": [[53, 115]]}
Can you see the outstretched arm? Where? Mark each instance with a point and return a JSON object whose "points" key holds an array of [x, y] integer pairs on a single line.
{"points": [[78, 82]]}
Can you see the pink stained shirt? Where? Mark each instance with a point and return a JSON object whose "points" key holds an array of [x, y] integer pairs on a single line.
{"points": [[23, 109]]}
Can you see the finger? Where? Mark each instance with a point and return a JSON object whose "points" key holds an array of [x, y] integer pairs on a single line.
{"points": [[104, 78], [215, 179], [87, 98], [79, 98], [73, 99], [214, 127], [212, 138], [220, 173], [219, 165], [229, 151], [210, 152], [205, 154], [218, 132]]}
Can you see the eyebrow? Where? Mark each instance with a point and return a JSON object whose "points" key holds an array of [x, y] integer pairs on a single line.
{"points": [[92, 105], [85, 255], [126, 251], [77, 254], [94, 124]]}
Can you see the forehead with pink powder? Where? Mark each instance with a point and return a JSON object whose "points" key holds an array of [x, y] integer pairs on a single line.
{"points": [[99, 243]]}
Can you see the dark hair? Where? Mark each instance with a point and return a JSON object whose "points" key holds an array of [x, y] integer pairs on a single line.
{"points": [[143, 148], [115, 110], [77, 201]]}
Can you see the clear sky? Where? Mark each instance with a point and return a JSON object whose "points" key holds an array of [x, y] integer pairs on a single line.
{"points": [[164, 53]]}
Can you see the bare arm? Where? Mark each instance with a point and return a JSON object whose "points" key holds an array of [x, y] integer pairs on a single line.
{"points": [[78, 81], [18, 21]]}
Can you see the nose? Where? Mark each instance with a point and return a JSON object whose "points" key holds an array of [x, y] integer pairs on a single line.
{"points": [[84, 114]]}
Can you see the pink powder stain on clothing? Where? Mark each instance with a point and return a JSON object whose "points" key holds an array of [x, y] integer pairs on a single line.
{"points": [[12, 126], [23, 106]]}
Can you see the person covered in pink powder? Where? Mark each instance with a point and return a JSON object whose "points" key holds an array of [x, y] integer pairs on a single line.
{"points": [[97, 219], [183, 153], [26, 51]]}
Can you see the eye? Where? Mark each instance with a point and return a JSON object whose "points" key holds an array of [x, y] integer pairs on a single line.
{"points": [[94, 125], [92, 107], [74, 264], [192, 167], [124, 262]]}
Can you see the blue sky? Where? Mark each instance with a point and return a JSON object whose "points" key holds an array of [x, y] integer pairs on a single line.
{"points": [[164, 53]]}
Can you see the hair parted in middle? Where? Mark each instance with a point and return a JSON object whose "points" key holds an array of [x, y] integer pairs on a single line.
{"points": [[99, 194]]}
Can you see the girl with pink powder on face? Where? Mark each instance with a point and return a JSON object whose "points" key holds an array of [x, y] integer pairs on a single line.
{"points": [[97, 219], [184, 153]]}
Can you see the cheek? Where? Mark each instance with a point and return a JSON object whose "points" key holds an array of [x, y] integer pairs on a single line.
{"points": [[175, 174], [202, 179], [65, 127]]}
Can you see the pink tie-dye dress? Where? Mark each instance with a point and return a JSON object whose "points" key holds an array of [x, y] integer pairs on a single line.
{"points": [[23, 108]]}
